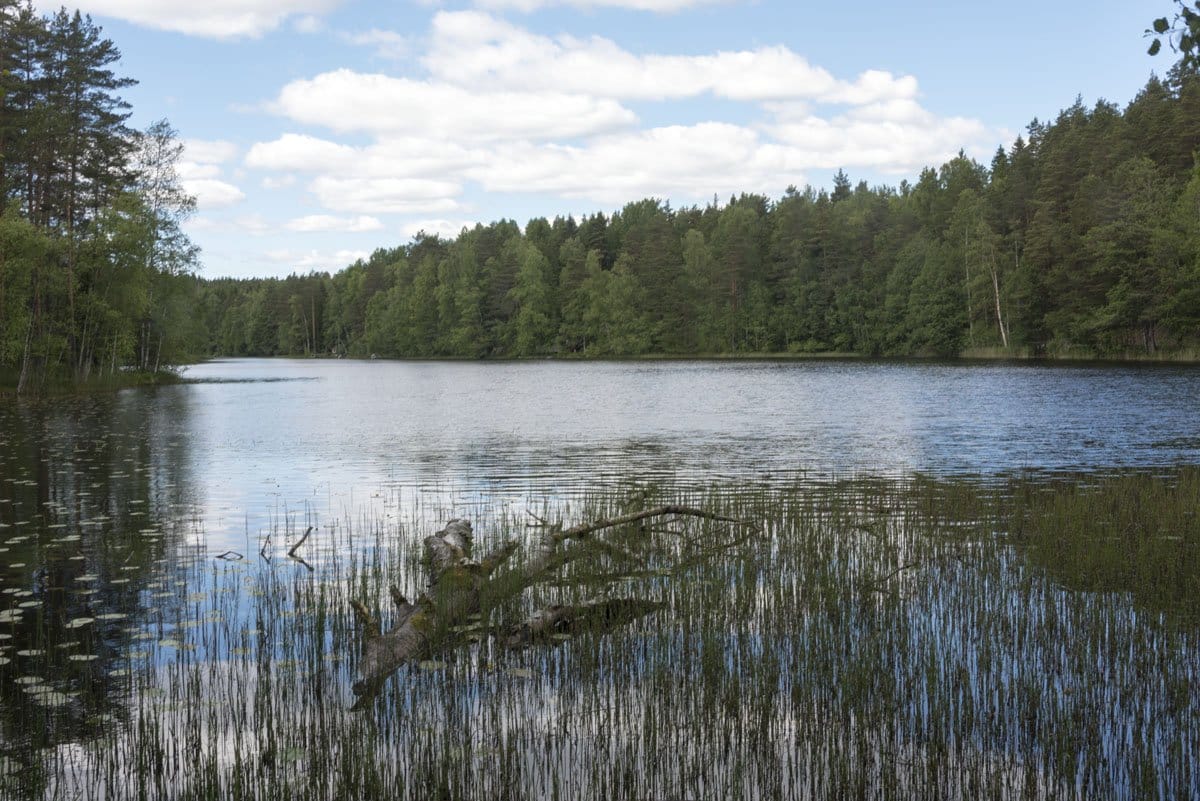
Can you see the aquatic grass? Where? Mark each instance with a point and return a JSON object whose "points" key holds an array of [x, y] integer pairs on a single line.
{"points": [[1137, 533], [877, 638]]}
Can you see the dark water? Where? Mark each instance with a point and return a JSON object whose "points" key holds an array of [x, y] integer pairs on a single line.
{"points": [[113, 507]]}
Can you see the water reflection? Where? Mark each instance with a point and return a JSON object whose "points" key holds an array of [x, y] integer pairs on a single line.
{"points": [[92, 500], [112, 509]]}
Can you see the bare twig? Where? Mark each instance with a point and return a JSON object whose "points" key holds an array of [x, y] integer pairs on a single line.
{"points": [[292, 550], [585, 529]]}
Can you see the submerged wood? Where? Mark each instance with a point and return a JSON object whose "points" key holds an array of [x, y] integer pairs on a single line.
{"points": [[596, 616], [458, 582]]}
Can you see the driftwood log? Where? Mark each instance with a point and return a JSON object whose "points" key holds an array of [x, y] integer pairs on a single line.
{"points": [[458, 586]]}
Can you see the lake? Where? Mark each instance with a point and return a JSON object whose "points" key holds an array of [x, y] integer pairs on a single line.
{"points": [[891, 493]]}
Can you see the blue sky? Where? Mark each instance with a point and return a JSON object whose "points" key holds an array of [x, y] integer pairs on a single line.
{"points": [[319, 130]]}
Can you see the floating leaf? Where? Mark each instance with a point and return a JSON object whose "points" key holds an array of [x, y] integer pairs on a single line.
{"points": [[80, 622], [52, 699]]}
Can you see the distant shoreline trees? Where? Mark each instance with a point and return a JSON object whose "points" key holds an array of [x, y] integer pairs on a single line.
{"points": [[1082, 238]]}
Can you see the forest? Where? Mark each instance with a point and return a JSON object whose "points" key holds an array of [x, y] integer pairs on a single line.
{"points": [[96, 273], [1080, 239]]}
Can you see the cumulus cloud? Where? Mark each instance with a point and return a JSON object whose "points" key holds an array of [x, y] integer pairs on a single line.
{"points": [[200, 175], [348, 101], [502, 109], [220, 19], [385, 195], [396, 157], [211, 193], [328, 222], [896, 137], [447, 229], [674, 161], [474, 49], [304, 260], [661, 6]]}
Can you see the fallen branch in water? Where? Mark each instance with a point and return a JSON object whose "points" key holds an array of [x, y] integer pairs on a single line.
{"points": [[458, 584]]}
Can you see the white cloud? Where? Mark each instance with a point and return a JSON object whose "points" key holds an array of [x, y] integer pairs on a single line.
{"points": [[506, 110], [661, 6], [896, 137], [315, 259], [447, 229], [200, 175], [328, 222], [209, 151], [394, 175], [301, 153], [192, 171], [395, 157], [220, 19], [387, 44], [385, 195], [211, 193], [348, 101], [686, 162], [477, 50]]}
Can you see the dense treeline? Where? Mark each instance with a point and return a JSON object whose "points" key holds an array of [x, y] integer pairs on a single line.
{"points": [[1081, 238], [94, 269]]}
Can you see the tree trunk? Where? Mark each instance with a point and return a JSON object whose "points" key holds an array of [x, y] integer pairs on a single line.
{"points": [[459, 585]]}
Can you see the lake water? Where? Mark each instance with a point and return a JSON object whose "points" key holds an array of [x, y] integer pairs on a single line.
{"points": [[255, 435], [115, 507]]}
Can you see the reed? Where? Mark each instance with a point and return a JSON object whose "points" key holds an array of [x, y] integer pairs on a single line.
{"points": [[876, 638]]}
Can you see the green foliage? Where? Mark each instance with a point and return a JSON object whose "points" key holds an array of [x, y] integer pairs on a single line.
{"points": [[1181, 32], [94, 269], [1081, 238]]}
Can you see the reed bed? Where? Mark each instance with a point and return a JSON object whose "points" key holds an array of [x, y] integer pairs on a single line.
{"points": [[870, 638]]}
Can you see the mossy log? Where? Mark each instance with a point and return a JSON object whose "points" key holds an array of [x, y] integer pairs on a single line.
{"points": [[458, 584]]}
